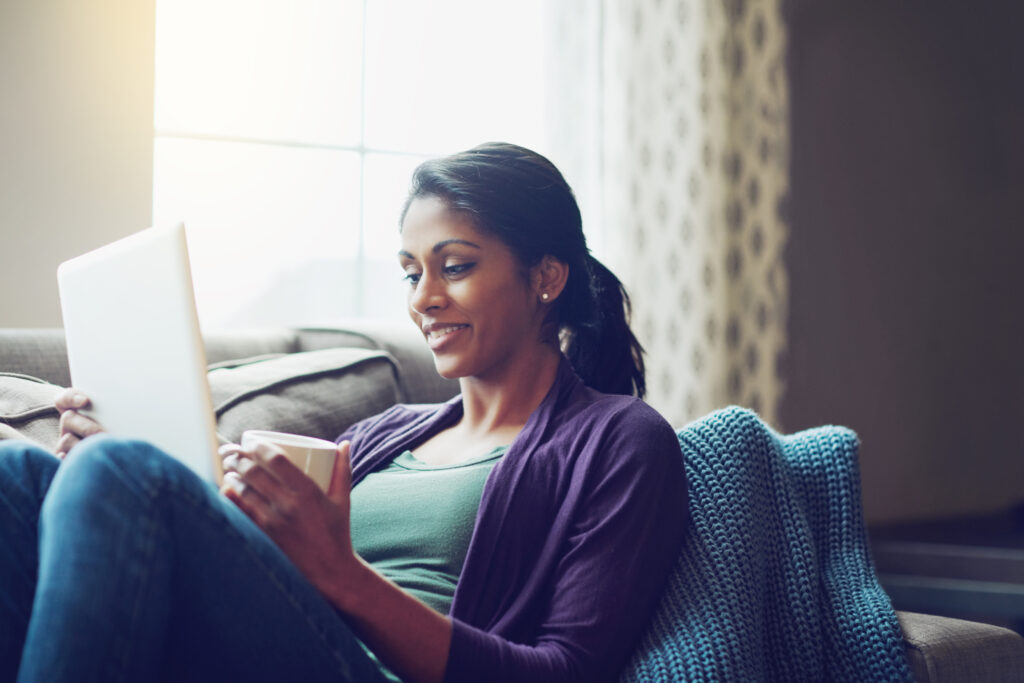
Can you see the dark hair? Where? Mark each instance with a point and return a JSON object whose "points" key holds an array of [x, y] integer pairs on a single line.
{"points": [[520, 197]]}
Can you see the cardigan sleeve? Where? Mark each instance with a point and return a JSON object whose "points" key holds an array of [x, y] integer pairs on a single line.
{"points": [[626, 530]]}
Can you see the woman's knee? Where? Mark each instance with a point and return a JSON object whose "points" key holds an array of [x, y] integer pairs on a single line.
{"points": [[104, 475], [107, 462]]}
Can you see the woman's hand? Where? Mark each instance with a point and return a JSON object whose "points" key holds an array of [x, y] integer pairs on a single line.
{"points": [[313, 531], [312, 528], [74, 426]]}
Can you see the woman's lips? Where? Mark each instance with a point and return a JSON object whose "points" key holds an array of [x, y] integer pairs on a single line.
{"points": [[439, 336]]}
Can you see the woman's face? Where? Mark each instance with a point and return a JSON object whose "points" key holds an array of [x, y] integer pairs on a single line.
{"points": [[468, 293]]}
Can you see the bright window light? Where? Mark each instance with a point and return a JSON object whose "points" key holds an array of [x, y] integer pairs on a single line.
{"points": [[286, 134], [264, 69], [446, 75]]}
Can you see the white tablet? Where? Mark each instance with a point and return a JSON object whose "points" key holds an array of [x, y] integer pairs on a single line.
{"points": [[134, 345]]}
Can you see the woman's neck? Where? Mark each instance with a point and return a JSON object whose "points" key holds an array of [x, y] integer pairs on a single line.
{"points": [[503, 404]]}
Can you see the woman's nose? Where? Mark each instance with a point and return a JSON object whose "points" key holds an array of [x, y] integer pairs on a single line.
{"points": [[427, 294]]}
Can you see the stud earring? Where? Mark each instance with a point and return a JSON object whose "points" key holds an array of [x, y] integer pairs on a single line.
{"points": [[544, 296]]}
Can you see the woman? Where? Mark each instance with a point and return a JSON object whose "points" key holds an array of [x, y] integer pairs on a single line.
{"points": [[537, 553]]}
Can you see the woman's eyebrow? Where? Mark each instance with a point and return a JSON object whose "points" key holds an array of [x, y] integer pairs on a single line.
{"points": [[444, 243], [441, 245]]}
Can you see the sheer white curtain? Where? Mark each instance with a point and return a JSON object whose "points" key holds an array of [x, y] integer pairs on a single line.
{"points": [[572, 47]]}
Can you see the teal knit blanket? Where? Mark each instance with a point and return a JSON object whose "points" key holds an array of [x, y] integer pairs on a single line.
{"points": [[774, 582]]}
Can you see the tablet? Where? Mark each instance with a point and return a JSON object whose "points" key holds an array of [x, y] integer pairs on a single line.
{"points": [[134, 345]]}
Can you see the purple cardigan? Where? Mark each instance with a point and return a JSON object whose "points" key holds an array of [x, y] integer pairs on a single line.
{"points": [[578, 526]]}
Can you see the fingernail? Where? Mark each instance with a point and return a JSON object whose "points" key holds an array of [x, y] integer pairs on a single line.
{"points": [[78, 401], [233, 481]]}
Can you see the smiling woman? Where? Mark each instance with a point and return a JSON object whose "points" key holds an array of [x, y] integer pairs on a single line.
{"points": [[458, 275], [534, 228], [511, 303]]}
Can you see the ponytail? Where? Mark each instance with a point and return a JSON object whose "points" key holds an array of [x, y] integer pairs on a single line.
{"points": [[521, 198], [596, 336]]}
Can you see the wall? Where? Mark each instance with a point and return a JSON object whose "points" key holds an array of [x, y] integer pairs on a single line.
{"points": [[76, 126], [907, 209]]}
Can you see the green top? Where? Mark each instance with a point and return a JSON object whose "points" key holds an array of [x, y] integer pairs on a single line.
{"points": [[413, 521]]}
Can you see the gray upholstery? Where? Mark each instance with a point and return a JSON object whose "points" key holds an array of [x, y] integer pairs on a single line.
{"points": [[319, 380], [224, 346], [39, 353], [942, 650], [316, 393], [418, 380], [27, 410]]}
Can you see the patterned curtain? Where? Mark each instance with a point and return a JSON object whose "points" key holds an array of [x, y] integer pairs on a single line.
{"points": [[694, 180]]}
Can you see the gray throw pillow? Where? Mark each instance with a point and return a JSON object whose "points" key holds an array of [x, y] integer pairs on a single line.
{"points": [[27, 410], [316, 393]]}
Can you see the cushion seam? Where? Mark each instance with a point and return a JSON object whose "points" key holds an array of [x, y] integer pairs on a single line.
{"points": [[31, 413]]}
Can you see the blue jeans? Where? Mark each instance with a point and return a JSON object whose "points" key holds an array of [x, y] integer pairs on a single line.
{"points": [[121, 564]]}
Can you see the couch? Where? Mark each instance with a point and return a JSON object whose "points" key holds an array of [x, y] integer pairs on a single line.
{"points": [[317, 381]]}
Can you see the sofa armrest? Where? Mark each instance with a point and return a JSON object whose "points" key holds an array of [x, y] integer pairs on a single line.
{"points": [[941, 650]]}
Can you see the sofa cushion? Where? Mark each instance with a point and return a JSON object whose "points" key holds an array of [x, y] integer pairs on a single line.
{"points": [[27, 410], [316, 393]]}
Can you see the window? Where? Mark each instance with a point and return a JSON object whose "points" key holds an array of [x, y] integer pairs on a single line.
{"points": [[286, 134]]}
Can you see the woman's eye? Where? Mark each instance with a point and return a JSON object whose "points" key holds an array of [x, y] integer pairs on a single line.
{"points": [[457, 269], [449, 271]]}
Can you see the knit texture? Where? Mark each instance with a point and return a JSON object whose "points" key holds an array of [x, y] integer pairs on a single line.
{"points": [[774, 582]]}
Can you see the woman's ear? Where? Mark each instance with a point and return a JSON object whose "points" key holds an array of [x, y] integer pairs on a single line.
{"points": [[549, 278]]}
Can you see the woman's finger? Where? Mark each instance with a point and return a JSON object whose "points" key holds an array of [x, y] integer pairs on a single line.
{"points": [[230, 463], [71, 399], [229, 454], [74, 422], [248, 499], [283, 469], [64, 417], [255, 476], [65, 444], [341, 478]]}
